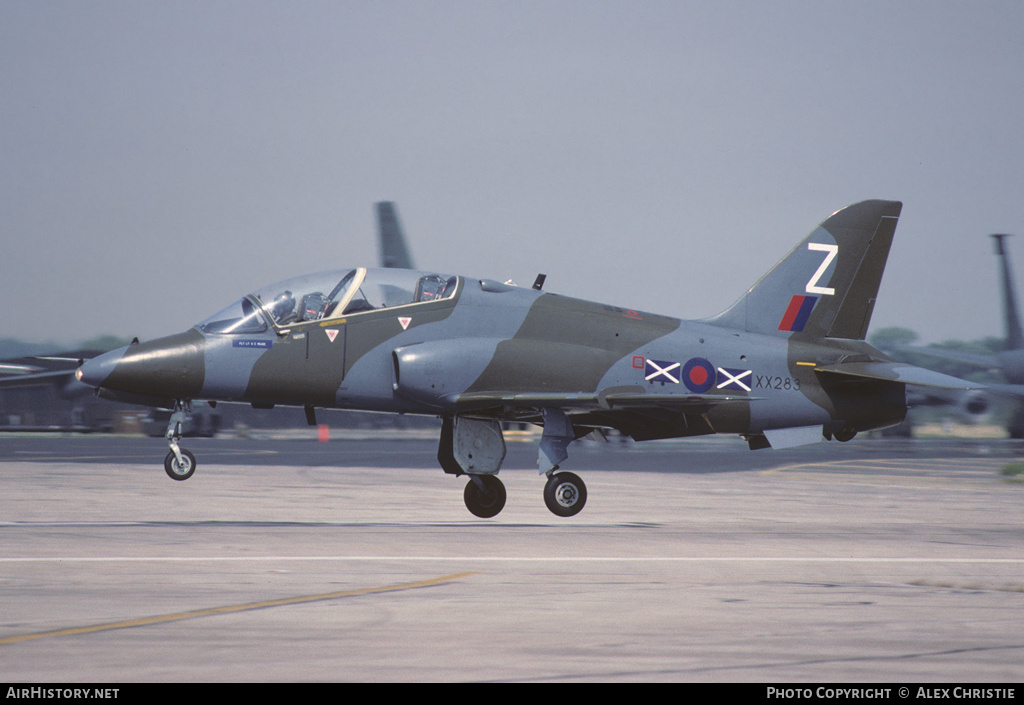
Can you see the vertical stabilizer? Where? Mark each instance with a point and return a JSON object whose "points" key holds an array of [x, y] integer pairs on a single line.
{"points": [[826, 287], [1014, 337], [394, 252]]}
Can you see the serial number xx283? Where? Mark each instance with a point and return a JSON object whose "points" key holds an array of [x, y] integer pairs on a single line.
{"points": [[769, 382]]}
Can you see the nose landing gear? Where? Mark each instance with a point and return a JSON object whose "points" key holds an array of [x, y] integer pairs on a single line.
{"points": [[179, 463]]}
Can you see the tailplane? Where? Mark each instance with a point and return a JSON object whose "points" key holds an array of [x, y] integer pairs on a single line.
{"points": [[826, 287]]}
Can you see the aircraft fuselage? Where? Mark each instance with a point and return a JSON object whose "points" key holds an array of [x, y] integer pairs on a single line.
{"points": [[499, 349]]}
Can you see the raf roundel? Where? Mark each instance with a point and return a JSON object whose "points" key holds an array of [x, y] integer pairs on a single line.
{"points": [[698, 375]]}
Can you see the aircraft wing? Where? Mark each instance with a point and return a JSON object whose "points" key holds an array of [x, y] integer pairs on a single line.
{"points": [[33, 371], [32, 379], [63, 379], [898, 372], [628, 409], [16, 368], [609, 399]]}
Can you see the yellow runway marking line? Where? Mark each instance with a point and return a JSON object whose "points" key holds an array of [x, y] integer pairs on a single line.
{"points": [[806, 467], [160, 619]]}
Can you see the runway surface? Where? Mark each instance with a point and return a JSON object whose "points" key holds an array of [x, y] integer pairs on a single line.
{"points": [[356, 560]]}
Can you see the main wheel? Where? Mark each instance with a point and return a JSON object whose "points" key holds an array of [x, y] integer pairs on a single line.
{"points": [[845, 435], [565, 494], [182, 470], [487, 502]]}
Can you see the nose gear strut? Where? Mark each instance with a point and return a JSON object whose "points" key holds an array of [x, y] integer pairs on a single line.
{"points": [[179, 463]]}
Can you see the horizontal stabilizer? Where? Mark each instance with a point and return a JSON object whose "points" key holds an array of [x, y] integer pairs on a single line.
{"points": [[898, 372]]}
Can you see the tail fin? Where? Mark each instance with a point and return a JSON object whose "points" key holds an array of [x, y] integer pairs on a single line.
{"points": [[393, 250], [1014, 337], [826, 287]]}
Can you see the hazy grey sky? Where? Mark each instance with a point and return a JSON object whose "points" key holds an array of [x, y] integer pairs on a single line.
{"points": [[161, 159]]}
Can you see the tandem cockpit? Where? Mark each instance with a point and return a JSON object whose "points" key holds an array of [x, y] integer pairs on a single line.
{"points": [[328, 296]]}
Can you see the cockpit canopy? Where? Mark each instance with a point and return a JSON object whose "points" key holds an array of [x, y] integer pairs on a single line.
{"points": [[329, 295]]}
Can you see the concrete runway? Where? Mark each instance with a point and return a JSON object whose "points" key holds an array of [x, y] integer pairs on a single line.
{"points": [[870, 561]]}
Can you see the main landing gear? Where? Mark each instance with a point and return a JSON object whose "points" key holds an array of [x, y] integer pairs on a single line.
{"points": [[564, 494], [484, 495], [179, 463], [476, 447]]}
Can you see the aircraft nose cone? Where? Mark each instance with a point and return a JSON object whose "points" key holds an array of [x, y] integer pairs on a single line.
{"points": [[95, 371], [165, 368]]}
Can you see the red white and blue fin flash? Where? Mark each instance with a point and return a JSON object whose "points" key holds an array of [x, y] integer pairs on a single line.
{"points": [[797, 313]]}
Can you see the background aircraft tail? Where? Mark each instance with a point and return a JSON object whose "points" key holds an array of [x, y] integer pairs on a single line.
{"points": [[393, 250], [826, 287], [1014, 337]]}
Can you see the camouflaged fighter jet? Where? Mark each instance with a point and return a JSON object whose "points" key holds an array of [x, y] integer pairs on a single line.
{"points": [[785, 365]]}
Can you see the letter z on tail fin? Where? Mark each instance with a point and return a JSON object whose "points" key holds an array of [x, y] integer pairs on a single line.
{"points": [[826, 287]]}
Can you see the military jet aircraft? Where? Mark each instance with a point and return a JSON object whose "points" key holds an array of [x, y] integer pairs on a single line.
{"points": [[785, 365], [1009, 362]]}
